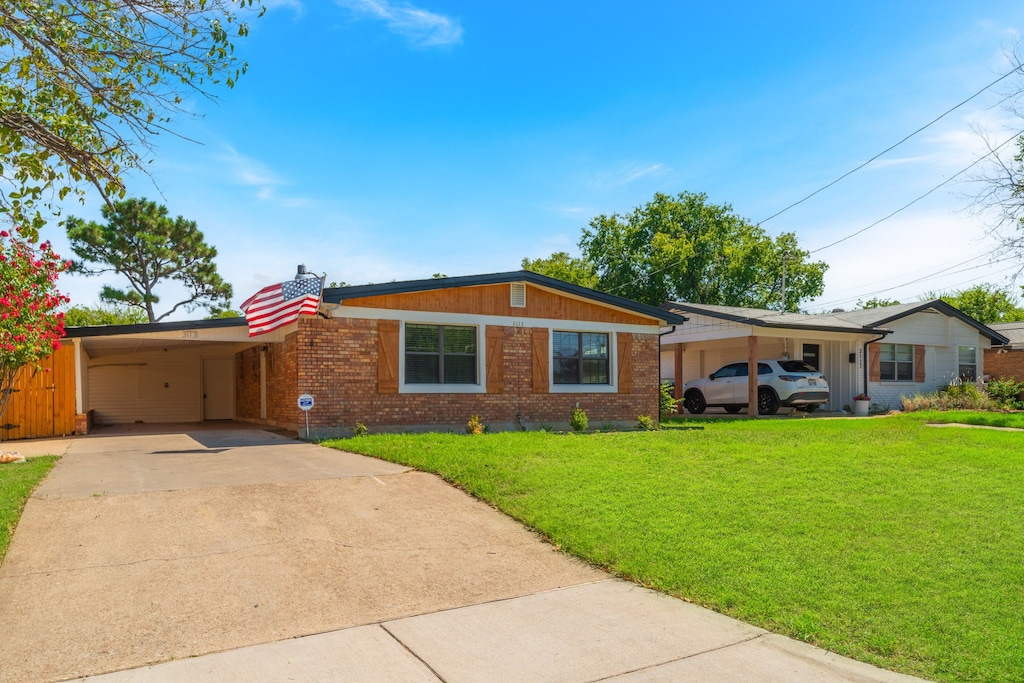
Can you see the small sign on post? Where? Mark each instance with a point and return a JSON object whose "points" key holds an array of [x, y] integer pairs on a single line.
{"points": [[306, 404]]}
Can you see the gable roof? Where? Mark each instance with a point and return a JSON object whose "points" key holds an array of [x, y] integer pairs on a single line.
{"points": [[337, 295], [760, 317], [1014, 332], [867, 320]]}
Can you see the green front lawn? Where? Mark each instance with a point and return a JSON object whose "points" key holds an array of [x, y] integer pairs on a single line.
{"points": [[17, 481], [885, 540]]}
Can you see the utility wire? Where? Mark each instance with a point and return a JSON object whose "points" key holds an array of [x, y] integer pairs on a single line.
{"points": [[915, 201], [889, 149]]}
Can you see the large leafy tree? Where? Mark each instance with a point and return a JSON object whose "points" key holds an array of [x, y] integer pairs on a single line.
{"points": [[31, 323], [144, 244], [85, 85], [986, 303], [562, 266], [684, 248], [104, 314]]}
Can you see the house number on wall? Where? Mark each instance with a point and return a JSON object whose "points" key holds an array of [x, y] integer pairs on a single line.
{"points": [[190, 334]]}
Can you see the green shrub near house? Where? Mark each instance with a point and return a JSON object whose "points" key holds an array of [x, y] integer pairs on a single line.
{"points": [[885, 540]]}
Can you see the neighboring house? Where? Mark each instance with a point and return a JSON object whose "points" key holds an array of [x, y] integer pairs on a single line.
{"points": [[1007, 361], [518, 349], [911, 348]]}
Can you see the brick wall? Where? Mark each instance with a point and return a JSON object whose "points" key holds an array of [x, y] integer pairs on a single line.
{"points": [[1008, 364], [335, 360]]}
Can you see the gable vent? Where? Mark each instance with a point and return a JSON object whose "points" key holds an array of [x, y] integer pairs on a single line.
{"points": [[518, 295]]}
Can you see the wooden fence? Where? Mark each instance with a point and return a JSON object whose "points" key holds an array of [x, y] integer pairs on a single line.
{"points": [[43, 403]]}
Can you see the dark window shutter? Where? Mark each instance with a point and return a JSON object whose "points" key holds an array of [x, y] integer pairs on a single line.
{"points": [[540, 360], [918, 363], [387, 356], [625, 343], [874, 364], [495, 359]]}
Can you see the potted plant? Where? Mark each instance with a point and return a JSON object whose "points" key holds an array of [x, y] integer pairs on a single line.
{"points": [[861, 404]]}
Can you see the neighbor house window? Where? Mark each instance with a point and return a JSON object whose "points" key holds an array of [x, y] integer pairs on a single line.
{"points": [[440, 354], [896, 362], [968, 361], [580, 357]]}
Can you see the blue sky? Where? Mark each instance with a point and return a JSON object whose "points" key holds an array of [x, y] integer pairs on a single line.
{"points": [[376, 140]]}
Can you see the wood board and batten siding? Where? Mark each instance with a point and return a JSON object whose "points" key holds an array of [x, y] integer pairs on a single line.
{"points": [[43, 404], [494, 300]]}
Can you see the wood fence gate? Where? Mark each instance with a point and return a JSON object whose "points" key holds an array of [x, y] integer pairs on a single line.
{"points": [[43, 403]]}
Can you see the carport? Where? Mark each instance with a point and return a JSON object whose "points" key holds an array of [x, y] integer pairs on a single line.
{"points": [[180, 372]]}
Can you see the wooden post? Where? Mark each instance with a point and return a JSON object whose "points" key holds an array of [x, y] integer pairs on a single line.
{"points": [[679, 376], [752, 376]]}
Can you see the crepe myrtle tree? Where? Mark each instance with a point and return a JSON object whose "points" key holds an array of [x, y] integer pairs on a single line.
{"points": [[141, 242], [31, 323]]}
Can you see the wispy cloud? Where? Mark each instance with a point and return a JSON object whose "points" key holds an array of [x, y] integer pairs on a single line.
{"points": [[629, 173], [253, 173], [420, 27]]}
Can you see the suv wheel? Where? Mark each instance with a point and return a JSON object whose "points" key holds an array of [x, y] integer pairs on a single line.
{"points": [[767, 403], [694, 402]]}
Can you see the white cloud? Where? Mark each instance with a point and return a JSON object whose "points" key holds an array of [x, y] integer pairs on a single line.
{"points": [[253, 173], [420, 27], [630, 172]]}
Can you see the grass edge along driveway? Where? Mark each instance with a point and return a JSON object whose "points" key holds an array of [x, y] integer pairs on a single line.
{"points": [[17, 482], [883, 540]]}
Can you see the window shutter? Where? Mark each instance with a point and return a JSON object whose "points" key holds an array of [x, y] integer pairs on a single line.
{"points": [[625, 343], [495, 359], [918, 363], [540, 360], [874, 364], [387, 356]]}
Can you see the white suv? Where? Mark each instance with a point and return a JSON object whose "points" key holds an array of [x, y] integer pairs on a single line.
{"points": [[779, 383]]}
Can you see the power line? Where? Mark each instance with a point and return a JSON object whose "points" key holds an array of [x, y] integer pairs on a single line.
{"points": [[889, 149], [915, 201]]}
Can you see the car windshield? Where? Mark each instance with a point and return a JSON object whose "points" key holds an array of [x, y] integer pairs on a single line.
{"points": [[796, 366]]}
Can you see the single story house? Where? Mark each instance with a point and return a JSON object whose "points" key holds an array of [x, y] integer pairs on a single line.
{"points": [[886, 352], [518, 349], [1007, 361]]}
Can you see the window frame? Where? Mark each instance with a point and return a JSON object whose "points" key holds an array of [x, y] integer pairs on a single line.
{"points": [[611, 363], [960, 364], [896, 363], [478, 386]]}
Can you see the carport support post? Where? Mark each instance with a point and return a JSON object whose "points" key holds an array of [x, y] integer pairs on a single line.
{"points": [[752, 376]]}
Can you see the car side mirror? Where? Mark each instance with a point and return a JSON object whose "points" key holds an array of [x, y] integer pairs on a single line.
{"points": [[711, 376]]}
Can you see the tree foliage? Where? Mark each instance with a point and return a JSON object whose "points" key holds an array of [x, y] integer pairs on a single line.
{"points": [[684, 248], [85, 86], [563, 267], [31, 323], [104, 314], [877, 302], [986, 303], [144, 244]]}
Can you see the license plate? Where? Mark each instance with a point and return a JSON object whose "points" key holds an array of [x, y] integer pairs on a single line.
{"points": [[812, 382]]}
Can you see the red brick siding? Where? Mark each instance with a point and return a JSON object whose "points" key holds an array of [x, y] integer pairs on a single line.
{"points": [[1008, 364], [335, 360]]}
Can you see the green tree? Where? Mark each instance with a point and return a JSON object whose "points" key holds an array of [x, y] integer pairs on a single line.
{"points": [[104, 314], [563, 267], [986, 303], [684, 248], [877, 302], [85, 85], [216, 313], [144, 244]]}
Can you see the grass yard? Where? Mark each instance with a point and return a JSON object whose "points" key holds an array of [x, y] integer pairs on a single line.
{"points": [[883, 539], [17, 481]]}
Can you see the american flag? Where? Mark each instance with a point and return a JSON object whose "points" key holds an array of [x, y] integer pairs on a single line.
{"points": [[277, 305]]}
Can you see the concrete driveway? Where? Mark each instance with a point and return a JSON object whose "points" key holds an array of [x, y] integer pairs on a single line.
{"points": [[243, 555]]}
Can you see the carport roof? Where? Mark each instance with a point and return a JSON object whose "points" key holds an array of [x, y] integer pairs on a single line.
{"points": [[759, 317], [143, 328]]}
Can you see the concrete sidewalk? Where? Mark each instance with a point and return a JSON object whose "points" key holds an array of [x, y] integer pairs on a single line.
{"points": [[242, 555]]}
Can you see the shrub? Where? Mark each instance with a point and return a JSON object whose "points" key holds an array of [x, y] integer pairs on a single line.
{"points": [[474, 426], [578, 419], [1006, 392], [645, 423], [360, 430], [667, 403], [959, 395]]}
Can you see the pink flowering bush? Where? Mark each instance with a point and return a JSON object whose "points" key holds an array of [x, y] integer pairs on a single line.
{"points": [[31, 323]]}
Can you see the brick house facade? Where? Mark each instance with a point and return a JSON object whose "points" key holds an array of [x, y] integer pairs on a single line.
{"points": [[354, 361]]}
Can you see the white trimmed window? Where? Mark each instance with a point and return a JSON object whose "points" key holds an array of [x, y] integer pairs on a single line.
{"points": [[440, 354], [896, 362], [967, 359], [580, 358]]}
